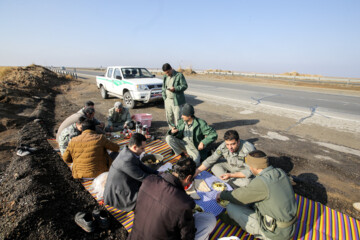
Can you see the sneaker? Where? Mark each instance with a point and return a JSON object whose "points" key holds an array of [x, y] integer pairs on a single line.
{"points": [[356, 205], [85, 221], [101, 218], [22, 152], [27, 148]]}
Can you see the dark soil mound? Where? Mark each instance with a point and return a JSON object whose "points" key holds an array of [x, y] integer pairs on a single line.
{"points": [[39, 198]]}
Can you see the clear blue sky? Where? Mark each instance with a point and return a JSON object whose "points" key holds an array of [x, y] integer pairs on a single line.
{"points": [[265, 36]]}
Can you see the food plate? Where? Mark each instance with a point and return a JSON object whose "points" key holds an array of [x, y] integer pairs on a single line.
{"points": [[153, 160], [219, 186], [223, 203], [197, 209]]}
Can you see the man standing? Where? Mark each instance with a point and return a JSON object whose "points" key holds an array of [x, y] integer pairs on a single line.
{"points": [[68, 133], [119, 118], [164, 210], [88, 152], [272, 214], [227, 161], [174, 85], [192, 135], [126, 175]]}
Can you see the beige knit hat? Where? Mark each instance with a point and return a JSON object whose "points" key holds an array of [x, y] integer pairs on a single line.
{"points": [[257, 159]]}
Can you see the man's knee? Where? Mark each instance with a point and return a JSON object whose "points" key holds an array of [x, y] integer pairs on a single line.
{"points": [[169, 139]]}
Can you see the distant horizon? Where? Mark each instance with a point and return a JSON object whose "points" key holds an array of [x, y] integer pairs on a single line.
{"points": [[159, 68], [275, 37]]}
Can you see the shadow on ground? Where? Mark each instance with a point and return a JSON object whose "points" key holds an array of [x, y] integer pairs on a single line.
{"points": [[234, 123]]}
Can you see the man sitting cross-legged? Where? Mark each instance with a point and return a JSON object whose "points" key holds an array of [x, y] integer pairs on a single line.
{"points": [[126, 174], [266, 207], [228, 161], [191, 135]]}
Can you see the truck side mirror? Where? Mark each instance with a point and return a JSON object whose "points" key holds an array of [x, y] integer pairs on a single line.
{"points": [[118, 77]]}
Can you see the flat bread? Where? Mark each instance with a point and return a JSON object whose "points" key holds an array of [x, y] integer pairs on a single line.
{"points": [[192, 193], [201, 185]]}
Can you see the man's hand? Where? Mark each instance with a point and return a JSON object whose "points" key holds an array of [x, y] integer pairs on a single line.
{"points": [[225, 176], [111, 128], [102, 125], [197, 172], [172, 89], [174, 130], [125, 125], [201, 146], [218, 197]]}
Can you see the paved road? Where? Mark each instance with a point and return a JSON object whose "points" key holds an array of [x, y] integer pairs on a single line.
{"points": [[331, 105]]}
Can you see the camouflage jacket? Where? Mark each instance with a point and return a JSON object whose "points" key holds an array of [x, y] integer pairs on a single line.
{"points": [[66, 135], [236, 159], [115, 117]]}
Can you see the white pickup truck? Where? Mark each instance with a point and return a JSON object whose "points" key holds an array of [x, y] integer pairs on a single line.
{"points": [[132, 84]]}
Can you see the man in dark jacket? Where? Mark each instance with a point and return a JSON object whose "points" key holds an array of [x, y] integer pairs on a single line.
{"points": [[191, 135], [174, 85], [266, 207], [126, 174], [164, 210]]}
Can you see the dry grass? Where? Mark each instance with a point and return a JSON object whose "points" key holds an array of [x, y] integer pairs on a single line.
{"points": [[187, 71], [294, 73], [5, 70], [69, 77]]}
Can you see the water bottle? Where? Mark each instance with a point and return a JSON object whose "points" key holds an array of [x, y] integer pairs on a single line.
{"points": [[137, 127], [144, 128]]}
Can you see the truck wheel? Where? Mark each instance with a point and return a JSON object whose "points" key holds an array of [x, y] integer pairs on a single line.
{"points": [[104, 93], [128, 100]]}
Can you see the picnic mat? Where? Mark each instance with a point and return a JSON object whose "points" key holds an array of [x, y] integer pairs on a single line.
{"points": [[315, 220]]}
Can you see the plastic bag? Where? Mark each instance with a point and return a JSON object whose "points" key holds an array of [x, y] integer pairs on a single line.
{"points": [[98, 185]]}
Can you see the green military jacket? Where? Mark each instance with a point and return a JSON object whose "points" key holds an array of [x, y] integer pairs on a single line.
{"points": [[180, 86], [66, 135], [202, 132], [236, 159], [272, 195], [115, 117]]}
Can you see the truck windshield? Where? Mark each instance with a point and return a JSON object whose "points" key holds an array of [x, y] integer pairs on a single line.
{"points": [[136, 73]]}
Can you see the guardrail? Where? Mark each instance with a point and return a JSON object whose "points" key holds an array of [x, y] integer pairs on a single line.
{"points": [[61, 72], [348, 81]]}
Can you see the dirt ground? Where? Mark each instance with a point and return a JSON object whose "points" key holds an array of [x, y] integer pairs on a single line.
{"points": [[39, 198]]}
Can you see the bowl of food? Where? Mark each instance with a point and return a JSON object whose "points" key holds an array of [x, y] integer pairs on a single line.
{"points": [[223, 203], [153, 160], [197, 209], [219, 186]]}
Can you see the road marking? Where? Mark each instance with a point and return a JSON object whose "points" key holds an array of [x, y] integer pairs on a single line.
{"points": [[339, 148], [213, 98]]}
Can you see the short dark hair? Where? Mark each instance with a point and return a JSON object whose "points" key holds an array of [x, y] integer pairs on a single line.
{"points": [[257, 154], [231, 135], [81, 119], [88, 124], [89, 104], [185, 167], [166, 67], [137, 139], [89, 110]]}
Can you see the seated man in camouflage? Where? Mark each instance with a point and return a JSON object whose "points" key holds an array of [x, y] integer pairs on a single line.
{"points": [[68, 133], [90, 104], [119, 118], [228, 161], [266, 208]]}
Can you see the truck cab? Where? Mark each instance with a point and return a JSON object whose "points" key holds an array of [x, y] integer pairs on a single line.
{"points": [[132, 84]]}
